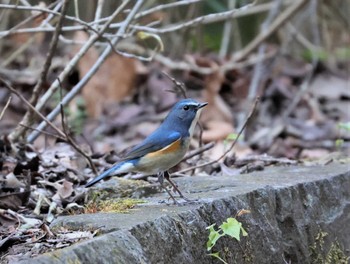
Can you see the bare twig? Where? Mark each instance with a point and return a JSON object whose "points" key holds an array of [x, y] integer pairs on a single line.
{"points": [[305, 85], [207, 19], [25, 21], [179, 85], [302, 40], [92, 70], [232, 145], [99, 7], [230, 65], [76, 8], [75, 60], [39, 9], [226, 34], [23, 47], [46, 133], [266, 159], [258, 68], [277, 23], [83, 25], [75, 145], [5, 107], [165, 6], [13, 90], [198, 151], [28, 118]]}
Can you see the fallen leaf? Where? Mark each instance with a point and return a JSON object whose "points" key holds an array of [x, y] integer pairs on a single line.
{"points": [[320, 87], [12, 182], [65, 189], [158, 86], [217, 116], [112, 82]]}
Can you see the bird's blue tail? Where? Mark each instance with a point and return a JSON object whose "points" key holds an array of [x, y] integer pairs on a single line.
{"points": [[121, 167]]}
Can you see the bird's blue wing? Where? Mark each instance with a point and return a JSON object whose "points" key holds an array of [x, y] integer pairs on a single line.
{"points": [[152, 143]]}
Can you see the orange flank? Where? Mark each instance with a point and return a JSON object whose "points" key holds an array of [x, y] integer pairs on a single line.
{"points": [[173, 147]]}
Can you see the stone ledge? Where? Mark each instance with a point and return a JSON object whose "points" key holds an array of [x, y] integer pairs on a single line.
{"points": [[289, 207]]}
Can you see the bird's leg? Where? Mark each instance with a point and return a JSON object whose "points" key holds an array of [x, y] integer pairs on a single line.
{"points": [[161, 181], [161, 178], [166, 175]]}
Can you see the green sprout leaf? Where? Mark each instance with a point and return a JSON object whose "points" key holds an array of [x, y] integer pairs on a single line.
{"points": [[339, 143], [216, 255], [232, 228], [244, 233], [213, 237], [345, 126], [232, 137], [142, 35]]}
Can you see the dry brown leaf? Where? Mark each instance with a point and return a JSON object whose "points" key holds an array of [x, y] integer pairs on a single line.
{"points": [[19, 39], [61, 157], [11, 181], [216, 130], [158, 86], [330, 87], [217, 116], [65, 189], [314, 154], [14, 200], [113, 81]]}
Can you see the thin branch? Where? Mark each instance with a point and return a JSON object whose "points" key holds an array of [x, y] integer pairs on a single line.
{"points": [[6, 106], [149, 11], [27, 20], [226, 34], [39, 29], [207, 19], [212, 18], [258, 68], [45, 133], [13, 90], [180, 85], [230, 65], [72, 142], [76, 89], [52, 89], [165, 6], [302, 40], [277, 23], [99, 7], [233, 143], [267, 159], [43, 10], [24, 47], [29, 116], [76, 8], [198, 151], [306, 82]]}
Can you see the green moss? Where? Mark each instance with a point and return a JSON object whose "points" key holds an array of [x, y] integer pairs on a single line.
{"points": [[248, 252], [74, 261], [335, 254], [96, 195], [112, 205], [118, 188]]}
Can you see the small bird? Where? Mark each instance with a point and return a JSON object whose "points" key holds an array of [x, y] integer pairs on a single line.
{"points": [[163, 149]]}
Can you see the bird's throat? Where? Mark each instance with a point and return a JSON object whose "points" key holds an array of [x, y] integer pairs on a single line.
{"points": [[194, 122]]}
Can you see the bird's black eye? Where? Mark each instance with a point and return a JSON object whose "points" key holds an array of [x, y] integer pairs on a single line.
{"points": [[186, 107]]}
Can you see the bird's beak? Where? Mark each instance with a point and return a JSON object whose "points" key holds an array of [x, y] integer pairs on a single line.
{"points": [[201, 105]]}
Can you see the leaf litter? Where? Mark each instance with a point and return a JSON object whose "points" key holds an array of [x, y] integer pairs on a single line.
{"points": [[44, 180]]}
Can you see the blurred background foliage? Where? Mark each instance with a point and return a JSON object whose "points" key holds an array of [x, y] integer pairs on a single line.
{"points": [[330, 37]]}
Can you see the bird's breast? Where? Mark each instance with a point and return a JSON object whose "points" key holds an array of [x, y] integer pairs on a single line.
{"points": [[163, 159]]}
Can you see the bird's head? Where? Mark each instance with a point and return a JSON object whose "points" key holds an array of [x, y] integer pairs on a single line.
{"points": [[184, 115]]}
